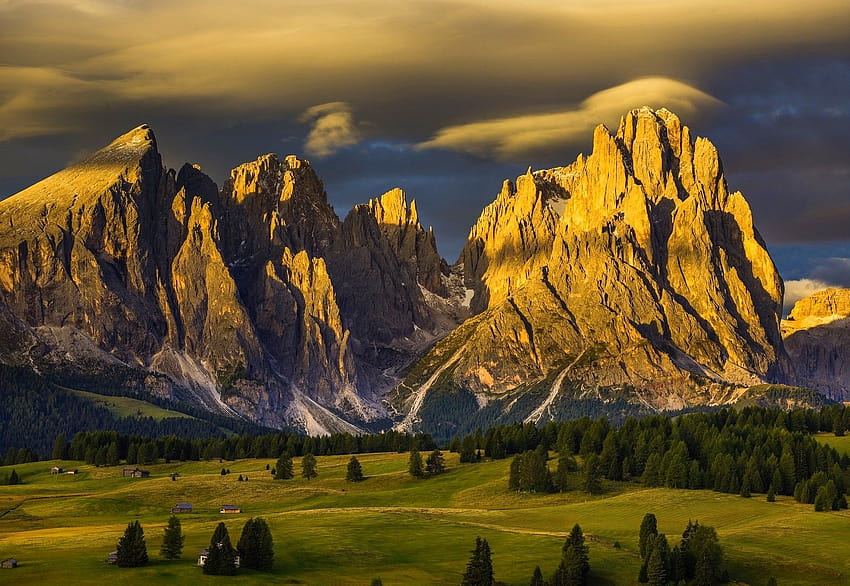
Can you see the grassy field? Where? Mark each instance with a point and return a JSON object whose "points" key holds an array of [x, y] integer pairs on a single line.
{"points": [[842, 444], [126, 406], [390, 526]]}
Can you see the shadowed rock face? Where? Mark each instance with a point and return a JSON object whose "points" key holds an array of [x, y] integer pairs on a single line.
{"points": [[633, 268], [247, 299], [817, 336]]}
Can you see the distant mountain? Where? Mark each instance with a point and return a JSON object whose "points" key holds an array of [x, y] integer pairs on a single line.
{"points": [[817, 338], [631, 280]]}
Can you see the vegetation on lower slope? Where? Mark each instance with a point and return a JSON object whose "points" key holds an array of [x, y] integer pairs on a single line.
{"points": [[390, 526]]}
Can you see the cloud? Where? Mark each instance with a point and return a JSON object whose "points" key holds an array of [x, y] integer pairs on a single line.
{"points": [[835, 271], [829, 272], [333, 128], [521, 136], [800, 289], [408, 67]]}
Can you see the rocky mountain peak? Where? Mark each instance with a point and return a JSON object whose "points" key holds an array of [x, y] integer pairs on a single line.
{"points": [[817, 335], [832, 303], [631, 268]]}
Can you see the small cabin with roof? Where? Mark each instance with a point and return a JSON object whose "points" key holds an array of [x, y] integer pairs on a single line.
{"points": [[134, 472], [182, 508], [205, 553], [229, 509], [9, 563], [112, 558], [56, 470]]}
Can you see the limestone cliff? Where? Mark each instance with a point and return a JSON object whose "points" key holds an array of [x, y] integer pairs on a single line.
{"points": [[817, 336], [252, 300], [632, 272]]}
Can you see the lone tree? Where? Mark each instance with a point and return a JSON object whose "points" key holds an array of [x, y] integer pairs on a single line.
{"points": [[435, 464], [283, 468], [308, 466], [256, 546], [172, 540], [537, 578], [221, 557], [479, 570], [355, 471], [132, 551], [575, 561], [414, 464]]}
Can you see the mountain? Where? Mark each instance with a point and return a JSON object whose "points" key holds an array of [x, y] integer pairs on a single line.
{"points": [[254, 300], [817, 336], [631, 280], [631, 274]]}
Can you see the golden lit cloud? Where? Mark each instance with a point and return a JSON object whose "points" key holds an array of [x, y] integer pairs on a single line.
{"points": [[332, 128], [526, 135], [408, 67]]}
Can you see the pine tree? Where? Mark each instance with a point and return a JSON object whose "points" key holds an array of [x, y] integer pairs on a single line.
{"points": [[132, 550], [435, 464], [467, 449], [13, 478], [283, 468], [60, 448], [705, 547], [537, 578], [308, 466], [575, 558], [591, 480], [771, 495], [648, 531], [256, 546], [657, 566], [221, 558], [414, 465], [354, 473], [172, 540], [514, 475], [479, 570]]}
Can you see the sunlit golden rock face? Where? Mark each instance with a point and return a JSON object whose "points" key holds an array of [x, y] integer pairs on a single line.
{"points": [[631, 271], [817, 336], [242, 299]]}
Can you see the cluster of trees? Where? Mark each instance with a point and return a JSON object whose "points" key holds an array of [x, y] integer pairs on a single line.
{"points": [[255, 548], [434, 464], [573, 570], [754, 450], [283, 469], [698, 556], [825, 491]]}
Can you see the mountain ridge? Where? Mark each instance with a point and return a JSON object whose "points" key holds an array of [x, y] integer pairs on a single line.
{"points": [[631, 274]]}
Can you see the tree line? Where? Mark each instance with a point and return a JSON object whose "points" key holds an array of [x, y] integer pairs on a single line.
{"points": [[752, 450], [254, 550], [108, 448]]}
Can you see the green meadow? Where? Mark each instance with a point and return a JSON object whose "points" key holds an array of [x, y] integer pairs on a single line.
{"points": [[390, 526], [127, 406]]}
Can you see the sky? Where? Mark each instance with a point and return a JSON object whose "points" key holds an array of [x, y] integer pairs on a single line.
{"points": [[446, 98]]}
